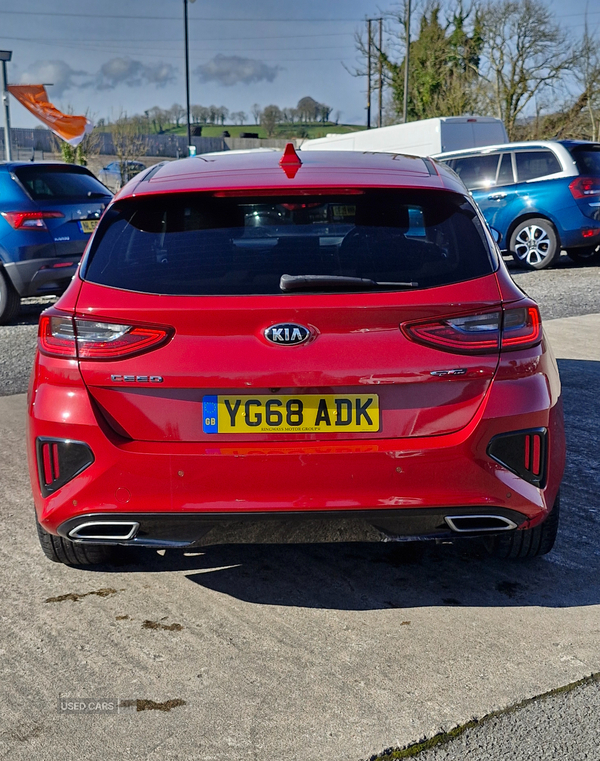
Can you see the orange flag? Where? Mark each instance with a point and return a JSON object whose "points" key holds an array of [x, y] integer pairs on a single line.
{"points": [[72, 129]]}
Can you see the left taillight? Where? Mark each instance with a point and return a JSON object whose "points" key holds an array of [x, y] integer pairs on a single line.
{"points": [[30, 220], [483, 333], [60, 335]]}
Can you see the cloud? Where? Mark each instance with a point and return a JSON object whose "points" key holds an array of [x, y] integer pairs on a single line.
{"points": [[231, 70], [127, 71], [59, 73]]}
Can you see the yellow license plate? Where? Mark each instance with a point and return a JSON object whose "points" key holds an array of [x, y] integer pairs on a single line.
{"points": [[304, 413], [88, 225]]}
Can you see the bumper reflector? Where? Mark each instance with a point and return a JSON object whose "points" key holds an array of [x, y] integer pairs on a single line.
{"points": [[60, 460], [523, 453]]}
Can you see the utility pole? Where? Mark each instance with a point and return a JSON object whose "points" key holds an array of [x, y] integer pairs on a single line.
{"points": [[406, 63], [369, 75], [380, 119], [191, 150], [6, 55]]}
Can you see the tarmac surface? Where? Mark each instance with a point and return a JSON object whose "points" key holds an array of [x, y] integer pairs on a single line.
{"points": [[307, 652]]}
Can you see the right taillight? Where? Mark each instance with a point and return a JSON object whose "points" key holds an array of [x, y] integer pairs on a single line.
{"points": [[584, 187], [83, 338], [482, 333]]}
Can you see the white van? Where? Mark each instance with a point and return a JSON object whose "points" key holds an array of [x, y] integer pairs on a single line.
{"points": [[422, 138]]}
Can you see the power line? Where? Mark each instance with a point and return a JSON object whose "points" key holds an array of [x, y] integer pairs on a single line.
{"points": [[178, 39], [173, 18], [142, 45]]}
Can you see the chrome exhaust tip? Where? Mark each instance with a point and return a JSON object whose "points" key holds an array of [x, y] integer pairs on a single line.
{"points": [[115, 531], [467, 524]]}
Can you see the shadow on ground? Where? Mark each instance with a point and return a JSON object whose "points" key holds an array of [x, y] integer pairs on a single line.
{"points": [[366, 576]]}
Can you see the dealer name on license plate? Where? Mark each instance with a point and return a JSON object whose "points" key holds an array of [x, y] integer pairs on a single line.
{"points": [[304, 413]]}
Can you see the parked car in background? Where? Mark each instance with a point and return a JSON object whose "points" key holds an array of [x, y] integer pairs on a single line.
{"points": [[47, 213], [330, 338], [541, 196], [117, 173]]}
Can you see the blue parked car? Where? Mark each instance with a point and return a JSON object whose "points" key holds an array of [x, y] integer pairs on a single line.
{"points": [[541, 197], [47, 214]]}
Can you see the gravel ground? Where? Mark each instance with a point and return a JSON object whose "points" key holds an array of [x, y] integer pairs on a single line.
{"points": [[566, 290]]}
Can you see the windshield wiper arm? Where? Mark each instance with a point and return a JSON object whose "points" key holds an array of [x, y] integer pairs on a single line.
{"points": [[335, 282]]}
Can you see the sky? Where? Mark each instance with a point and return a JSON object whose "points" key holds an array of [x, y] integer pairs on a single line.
{"points": [[119, 56]]}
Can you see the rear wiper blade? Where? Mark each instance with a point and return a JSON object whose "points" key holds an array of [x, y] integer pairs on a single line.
{"points": [[96, 194], [335, 282]]}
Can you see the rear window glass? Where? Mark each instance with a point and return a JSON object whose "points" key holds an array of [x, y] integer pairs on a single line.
{"points": [[198, 244], [56, 182], [587, 160], [534, 164]]}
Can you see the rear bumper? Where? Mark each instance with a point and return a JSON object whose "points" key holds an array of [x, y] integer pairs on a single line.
{"points": [[178, 491], [201, 529], [40, 277]]}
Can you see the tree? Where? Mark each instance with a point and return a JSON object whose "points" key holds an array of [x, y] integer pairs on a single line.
{"points": [[308, 109], [238, 117], [525, 54], [129, 144], [444, 61], [221, 114], [256, 111], [159, 117], [270, 118], [176, 113], [586, 70], [88, 148]]}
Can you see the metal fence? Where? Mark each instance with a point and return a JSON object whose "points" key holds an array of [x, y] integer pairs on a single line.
{"points": [[36, 144]]}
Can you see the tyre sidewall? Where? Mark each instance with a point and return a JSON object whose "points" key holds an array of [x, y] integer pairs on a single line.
{"points": [[549, 229]]}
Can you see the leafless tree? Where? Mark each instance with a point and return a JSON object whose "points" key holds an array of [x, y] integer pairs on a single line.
{"points": [[129, 143], [525, 54], [176, 113], [256, 111], [586, 70]]}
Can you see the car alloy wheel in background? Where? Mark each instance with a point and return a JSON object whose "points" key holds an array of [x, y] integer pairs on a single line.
{"points": [[534, 243]]}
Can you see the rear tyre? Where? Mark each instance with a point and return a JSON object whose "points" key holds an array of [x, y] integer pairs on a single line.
{"points": [[10, 301], [528, 543], [534, 243], [585, 254], [61, 550]]}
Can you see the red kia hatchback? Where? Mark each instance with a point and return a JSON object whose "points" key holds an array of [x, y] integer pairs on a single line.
{"points": [[327, 336]]}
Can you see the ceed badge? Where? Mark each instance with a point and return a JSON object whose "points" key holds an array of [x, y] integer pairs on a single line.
{"points": [[287, 334]]}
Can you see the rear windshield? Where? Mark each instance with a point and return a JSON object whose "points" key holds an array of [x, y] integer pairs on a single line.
{"points": [[56, 182], [198, 244], [587, 159]]}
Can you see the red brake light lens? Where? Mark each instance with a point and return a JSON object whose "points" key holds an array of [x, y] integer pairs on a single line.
{"points": [[469, 334], [483, 333], [83, 338], [583, 187], [30, 220], [522, 328]]}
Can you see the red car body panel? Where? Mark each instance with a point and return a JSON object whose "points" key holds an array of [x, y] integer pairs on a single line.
{"points": [[431, 451]]}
